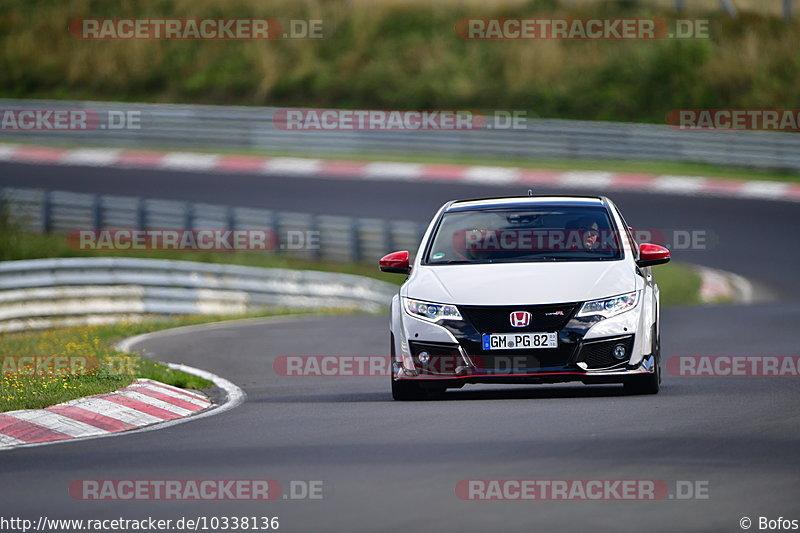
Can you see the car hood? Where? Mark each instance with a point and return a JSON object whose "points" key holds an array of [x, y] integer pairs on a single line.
{"points": [[521, 283]]}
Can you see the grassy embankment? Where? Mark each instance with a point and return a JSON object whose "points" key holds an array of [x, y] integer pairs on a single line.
{"points": [[407, 56]]}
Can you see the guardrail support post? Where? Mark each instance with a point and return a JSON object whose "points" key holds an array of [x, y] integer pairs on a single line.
{"points": [[141, 214], [274, 224], [188, 221], [314, 229], [355, 239], [230, 217], [47, 211], [97, 212], [388, 236]]}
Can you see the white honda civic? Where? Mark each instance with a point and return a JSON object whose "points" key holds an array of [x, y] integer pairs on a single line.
{"points": [[532, 289]]}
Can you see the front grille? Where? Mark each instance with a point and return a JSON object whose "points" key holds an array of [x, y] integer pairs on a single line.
{"points": [[600, 354], [518, 360], [497, 319]]}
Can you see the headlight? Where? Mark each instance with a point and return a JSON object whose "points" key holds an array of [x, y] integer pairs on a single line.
{"points": [[609, 307], [431, 312]]}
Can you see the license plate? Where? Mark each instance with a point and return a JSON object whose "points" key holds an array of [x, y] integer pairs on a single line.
{"points": [[519, 341]]}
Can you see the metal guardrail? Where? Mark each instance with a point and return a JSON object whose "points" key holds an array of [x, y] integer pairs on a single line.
{"points": [[223, 127], [45, 293], [342, 239]]}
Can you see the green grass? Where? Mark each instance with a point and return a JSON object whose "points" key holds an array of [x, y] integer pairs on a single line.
{"points": [[679, 284], [388, 55]]}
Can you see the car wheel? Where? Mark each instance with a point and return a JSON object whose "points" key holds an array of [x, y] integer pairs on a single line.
{"points": [[404, 390], [646, 384]]}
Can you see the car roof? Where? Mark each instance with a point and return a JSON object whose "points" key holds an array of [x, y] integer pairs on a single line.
{"points": [[504, 202]]}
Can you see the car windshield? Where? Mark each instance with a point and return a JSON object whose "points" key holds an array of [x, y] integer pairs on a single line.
{"points": [[524, 235]]}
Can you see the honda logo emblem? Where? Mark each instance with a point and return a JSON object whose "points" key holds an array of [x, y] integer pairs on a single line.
{"points": [[520, 319]]}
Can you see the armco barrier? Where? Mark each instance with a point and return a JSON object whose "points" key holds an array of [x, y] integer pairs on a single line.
{"points": [[340, 238], [252, 128], [43, 293]]}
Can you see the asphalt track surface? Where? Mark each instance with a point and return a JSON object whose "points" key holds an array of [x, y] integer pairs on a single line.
{"points": [[391, 466]]}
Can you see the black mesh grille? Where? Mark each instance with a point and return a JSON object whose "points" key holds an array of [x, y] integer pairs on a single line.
{"points": [[444, 359], [518, 360], [432, 348], [600, 354], [497, 319]]}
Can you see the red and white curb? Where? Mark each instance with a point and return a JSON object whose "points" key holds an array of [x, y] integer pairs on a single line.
{"points": [[443, 173], [720, 286], [143, 403]]}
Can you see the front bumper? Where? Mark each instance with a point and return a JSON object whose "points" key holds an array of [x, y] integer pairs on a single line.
{"points": [[455, 355], [470, 374]]}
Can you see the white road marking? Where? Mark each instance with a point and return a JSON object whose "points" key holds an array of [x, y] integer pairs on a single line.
{"points": [[171, 393], [586, 178], [763, 189], [116, 411], [292, 165], [56, 422], [491, 175], [403, 171], [188, 161], [5, 440], [155, 402], [679, 184], [196, 394], [96, 157], [7, 151]]}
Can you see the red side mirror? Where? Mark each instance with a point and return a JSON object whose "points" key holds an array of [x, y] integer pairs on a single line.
{"points": [[652, 254], [396, 262]]}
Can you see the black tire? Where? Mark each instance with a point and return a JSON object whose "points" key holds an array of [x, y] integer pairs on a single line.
{"points": [[647, 383], [407, 391]]}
